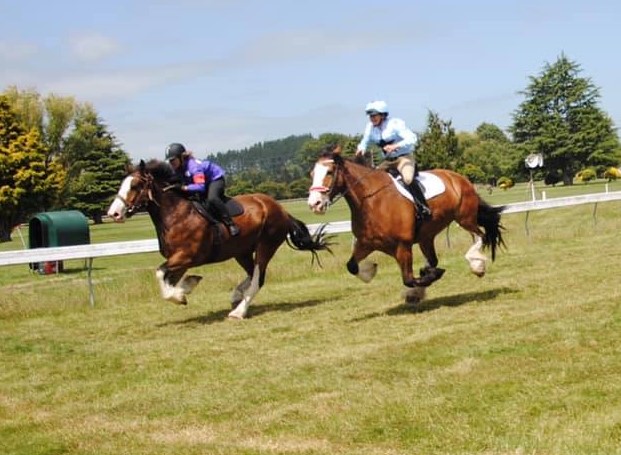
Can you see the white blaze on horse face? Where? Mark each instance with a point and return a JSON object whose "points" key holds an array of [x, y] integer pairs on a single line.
{"points": [[318, 193], [118, 208]]}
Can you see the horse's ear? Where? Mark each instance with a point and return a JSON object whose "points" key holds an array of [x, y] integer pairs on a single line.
{"points": [[142, 166], [337, 149]]}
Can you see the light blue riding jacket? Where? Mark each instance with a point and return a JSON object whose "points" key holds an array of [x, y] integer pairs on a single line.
{"points": [[390, 131]]}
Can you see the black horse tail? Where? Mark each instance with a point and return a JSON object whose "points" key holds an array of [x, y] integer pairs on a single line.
{"points": [[301, 239], [489, 218]]}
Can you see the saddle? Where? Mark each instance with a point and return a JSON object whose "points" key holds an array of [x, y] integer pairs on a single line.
{"points": [[232, 206], [429, 184]]}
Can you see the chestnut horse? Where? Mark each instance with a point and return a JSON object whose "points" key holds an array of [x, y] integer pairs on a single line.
{"points": [[383, 219], [187, 239]]}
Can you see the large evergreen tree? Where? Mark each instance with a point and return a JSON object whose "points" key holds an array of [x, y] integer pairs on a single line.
{"points": [[27, 183], [561, 120], [96, 164], [438, 146]]}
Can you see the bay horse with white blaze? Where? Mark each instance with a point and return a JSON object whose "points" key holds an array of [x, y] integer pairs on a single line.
{"points": [[383, 219], [187, 239]]}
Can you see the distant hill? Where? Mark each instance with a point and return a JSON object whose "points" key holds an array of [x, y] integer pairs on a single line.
{"points": [[269, 157]]}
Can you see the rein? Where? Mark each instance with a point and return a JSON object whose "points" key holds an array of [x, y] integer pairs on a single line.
{"points": [[338, 196]]}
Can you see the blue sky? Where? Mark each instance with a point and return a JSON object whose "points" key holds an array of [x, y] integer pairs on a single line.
{"points": [[226, 74]]}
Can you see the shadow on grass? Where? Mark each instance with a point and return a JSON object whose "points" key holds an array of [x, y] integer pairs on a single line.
{"points": [[254, 311], [446, 301]]}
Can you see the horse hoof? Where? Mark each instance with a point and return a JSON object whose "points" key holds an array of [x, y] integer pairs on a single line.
{"points": [[367, 271], [477, 266], [236, 317], [414, 295]]}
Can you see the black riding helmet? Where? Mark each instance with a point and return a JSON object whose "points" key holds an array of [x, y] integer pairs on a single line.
{"points": [[174, 150]]}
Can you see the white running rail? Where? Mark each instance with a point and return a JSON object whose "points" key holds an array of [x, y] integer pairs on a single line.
{"points": [[91, 251]]}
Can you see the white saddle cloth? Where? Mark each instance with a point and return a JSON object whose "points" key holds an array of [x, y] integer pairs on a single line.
{"points": [[431, 183]]}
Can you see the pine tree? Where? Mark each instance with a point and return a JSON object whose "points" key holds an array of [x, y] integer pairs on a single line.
{"points": [[438, 146], [561, 120], [96, 165]]}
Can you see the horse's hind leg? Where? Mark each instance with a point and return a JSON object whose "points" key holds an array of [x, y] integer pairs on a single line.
{"points": [[430, 271], [248, 294], [476, 259], [247, 263], [264, 253]]}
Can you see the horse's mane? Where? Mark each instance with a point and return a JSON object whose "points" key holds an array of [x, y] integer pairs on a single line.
{"points": [[160, 170], [332, 152]]}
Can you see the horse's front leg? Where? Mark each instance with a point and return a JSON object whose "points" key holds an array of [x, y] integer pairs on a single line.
{"points": [[173, 285], [365, 271]]}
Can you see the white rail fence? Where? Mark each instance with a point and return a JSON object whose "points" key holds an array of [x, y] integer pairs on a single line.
{"points": [[92, 251]]}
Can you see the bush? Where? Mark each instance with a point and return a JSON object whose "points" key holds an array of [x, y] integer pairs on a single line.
{"points": [[505, 183], [612, 173], [586, 175]]}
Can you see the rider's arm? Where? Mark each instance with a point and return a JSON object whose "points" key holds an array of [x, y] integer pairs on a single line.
{"points": [[364, 143], [407, 138], [198, 178]]}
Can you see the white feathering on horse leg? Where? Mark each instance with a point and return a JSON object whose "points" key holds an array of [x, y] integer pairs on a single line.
{"points": [[188, 283], [367, 271], [238, 292], [242, 309], [476, 259], [170, 293]]}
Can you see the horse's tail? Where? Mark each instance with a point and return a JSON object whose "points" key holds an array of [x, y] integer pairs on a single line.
{"points": [[489, 218], [301, 239]]}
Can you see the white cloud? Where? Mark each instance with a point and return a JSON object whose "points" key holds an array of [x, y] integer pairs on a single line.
{"points": [[93, 47]]}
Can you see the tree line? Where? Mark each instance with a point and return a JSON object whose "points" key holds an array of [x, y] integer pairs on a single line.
{"points": [[57, 153]]}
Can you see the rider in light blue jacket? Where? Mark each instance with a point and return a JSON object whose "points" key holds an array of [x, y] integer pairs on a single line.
{"points": [[397, 142]]}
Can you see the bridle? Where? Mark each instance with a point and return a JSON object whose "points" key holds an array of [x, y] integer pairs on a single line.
{"points": [[141, 199], [331, 192]]}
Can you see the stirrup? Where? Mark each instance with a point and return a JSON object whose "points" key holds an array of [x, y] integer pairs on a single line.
{"points": [[232, 227], [423, 212]]}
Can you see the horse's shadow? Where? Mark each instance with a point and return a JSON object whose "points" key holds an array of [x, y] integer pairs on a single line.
{"points": [[434, 304], [222, 315]]}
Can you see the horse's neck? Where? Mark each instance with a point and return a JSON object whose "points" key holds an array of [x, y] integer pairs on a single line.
{"points": [[363, 183], [166, 210]]}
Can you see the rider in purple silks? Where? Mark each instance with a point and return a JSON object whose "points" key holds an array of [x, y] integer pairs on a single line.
{"points": [[203, 178]]}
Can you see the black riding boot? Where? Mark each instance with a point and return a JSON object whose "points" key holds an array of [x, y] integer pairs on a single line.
{"points": [[422, 209], [230, 224]]}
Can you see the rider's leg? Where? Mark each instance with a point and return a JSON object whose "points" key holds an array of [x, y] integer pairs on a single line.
{"points": [[406, 168], [215, 195]]}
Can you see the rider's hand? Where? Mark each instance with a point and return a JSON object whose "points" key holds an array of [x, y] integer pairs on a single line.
{"points": [[390, 148], [176, 186]]}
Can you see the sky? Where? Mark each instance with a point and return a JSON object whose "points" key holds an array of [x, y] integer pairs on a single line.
{"points": [[219, 75]]}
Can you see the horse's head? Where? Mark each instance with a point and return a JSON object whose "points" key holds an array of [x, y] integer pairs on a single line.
{"points": [[327, 179], [137, 189]]}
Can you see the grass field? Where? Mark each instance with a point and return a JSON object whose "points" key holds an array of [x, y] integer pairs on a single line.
{"points": [[526, 360]]}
